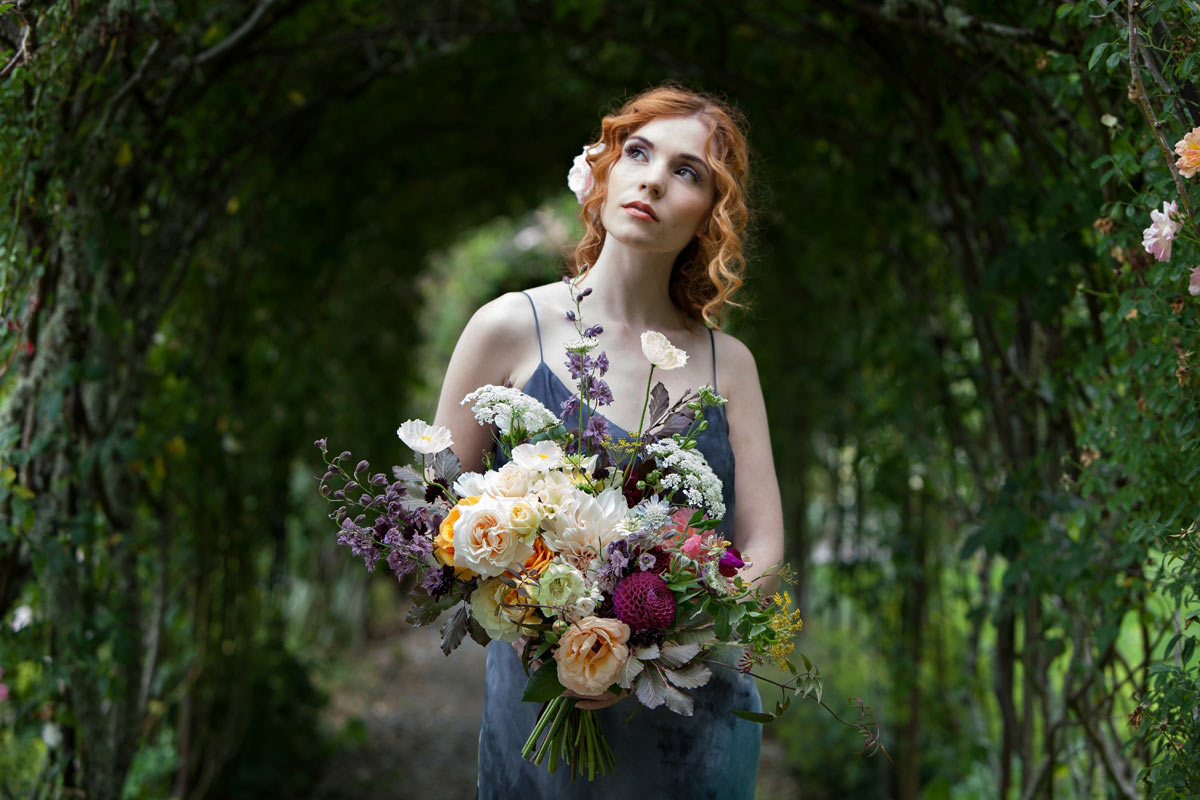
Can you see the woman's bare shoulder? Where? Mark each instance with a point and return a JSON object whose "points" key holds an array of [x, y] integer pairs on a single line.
{"points": [[735, 363]]}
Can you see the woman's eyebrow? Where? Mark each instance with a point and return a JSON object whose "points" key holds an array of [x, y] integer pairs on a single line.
{"points": [[685, 156]]}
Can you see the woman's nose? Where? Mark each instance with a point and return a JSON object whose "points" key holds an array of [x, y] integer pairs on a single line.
{"points": [[652, 184]]}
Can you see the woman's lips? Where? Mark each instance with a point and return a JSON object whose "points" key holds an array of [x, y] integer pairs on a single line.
{"points": [[639, 212]]}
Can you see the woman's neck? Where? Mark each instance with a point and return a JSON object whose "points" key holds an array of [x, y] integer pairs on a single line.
{"points": [[631, 287]]}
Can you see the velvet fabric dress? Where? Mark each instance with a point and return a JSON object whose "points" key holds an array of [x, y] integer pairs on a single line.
{"points": [[658, 753]]}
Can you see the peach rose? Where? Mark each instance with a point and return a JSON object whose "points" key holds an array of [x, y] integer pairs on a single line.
{"points": [[443, 543], [590, 654], [485, 541]]}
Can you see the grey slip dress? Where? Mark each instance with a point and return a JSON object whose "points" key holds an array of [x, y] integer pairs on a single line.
{"points": [[659, 754]]}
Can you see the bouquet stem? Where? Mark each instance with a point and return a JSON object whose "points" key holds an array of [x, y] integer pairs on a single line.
{"points": [[566, 732]]}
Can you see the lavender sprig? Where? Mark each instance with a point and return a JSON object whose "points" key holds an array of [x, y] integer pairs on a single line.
{"points": [[392, 523], [588, 371]]}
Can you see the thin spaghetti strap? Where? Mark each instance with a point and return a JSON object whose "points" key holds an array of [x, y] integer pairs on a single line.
{"points": [[713, 341], [537, 327]]}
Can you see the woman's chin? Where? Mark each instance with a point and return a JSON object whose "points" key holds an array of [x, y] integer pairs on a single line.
{"points": [[643, 241]]}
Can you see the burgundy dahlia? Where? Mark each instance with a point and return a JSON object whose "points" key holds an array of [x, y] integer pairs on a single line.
{"points": [[642, 600]]}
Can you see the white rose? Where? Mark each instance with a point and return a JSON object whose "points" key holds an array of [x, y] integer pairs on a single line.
{"points": [[541, 457], [511, 480], [484, 540], [580, 179], [659, 351], [424, 438], [581, 531], [487, 610]]}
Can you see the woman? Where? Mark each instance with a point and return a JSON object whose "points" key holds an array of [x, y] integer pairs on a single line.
{"points": [[664, 211]]}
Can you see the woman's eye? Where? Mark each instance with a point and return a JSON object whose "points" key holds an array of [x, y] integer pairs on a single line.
{"points": [[695, 175], [632, 150]]}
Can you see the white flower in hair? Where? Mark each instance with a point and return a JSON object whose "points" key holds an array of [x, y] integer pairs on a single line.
{"points": [[580, 179]]}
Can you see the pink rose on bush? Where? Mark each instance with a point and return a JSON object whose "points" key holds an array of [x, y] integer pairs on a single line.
{"points": [[1157, 238]]}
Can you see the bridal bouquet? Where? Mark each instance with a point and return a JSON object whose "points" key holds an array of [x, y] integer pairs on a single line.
{"points": [[601, 557]]}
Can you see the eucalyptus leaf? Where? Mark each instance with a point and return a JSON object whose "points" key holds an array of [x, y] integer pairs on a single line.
{"points": [[454, 629], [631, 667], [407, 474], [446, 467], [675, 654], [678, 701], [425, 609], [659, 401], [647, 653], [476, 632], [693, 676], [650, 689]]}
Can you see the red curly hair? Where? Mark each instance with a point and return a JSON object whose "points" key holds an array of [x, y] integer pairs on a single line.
{"points": [[708, 271]]}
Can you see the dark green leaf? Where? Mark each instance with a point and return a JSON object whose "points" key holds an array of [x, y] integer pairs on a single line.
{"points": [[543, 685]]}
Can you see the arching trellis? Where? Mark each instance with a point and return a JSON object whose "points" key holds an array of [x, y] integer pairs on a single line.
{"points": [[141, 208]]}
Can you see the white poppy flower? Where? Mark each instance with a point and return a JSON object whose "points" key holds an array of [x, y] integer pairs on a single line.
{"points": [[540, 457], [659, 351], [423, 437]]}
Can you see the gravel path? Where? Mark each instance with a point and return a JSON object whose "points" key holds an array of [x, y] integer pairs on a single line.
{"points": [[419, 727]]}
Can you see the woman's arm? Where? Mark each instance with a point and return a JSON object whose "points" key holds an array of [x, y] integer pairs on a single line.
{"points": [[487, 350], [758, 518]]}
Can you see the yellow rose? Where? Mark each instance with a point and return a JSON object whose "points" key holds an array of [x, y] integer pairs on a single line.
{"points": [[487, 607], [590, 654], [443, 543], [515, 600]]}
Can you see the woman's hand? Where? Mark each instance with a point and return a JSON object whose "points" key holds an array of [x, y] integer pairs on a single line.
{"points": [[597, 701], [519, 646], [593, 702]]}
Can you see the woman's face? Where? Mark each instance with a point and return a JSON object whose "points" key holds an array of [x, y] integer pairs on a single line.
{"points": [[660, 190]]}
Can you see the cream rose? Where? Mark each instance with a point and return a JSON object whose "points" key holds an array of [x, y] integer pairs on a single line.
{"points": [[581, 530], [484, 540], [590, 654], [511, 480], [523, 518], [659, 351]]}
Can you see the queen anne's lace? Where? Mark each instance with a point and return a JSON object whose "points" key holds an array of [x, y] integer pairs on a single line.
{"points": [[690, 474], [505, 406]]}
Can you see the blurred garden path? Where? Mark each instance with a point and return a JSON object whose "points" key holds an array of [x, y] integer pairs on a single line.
{"points": [[420, 715]]}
